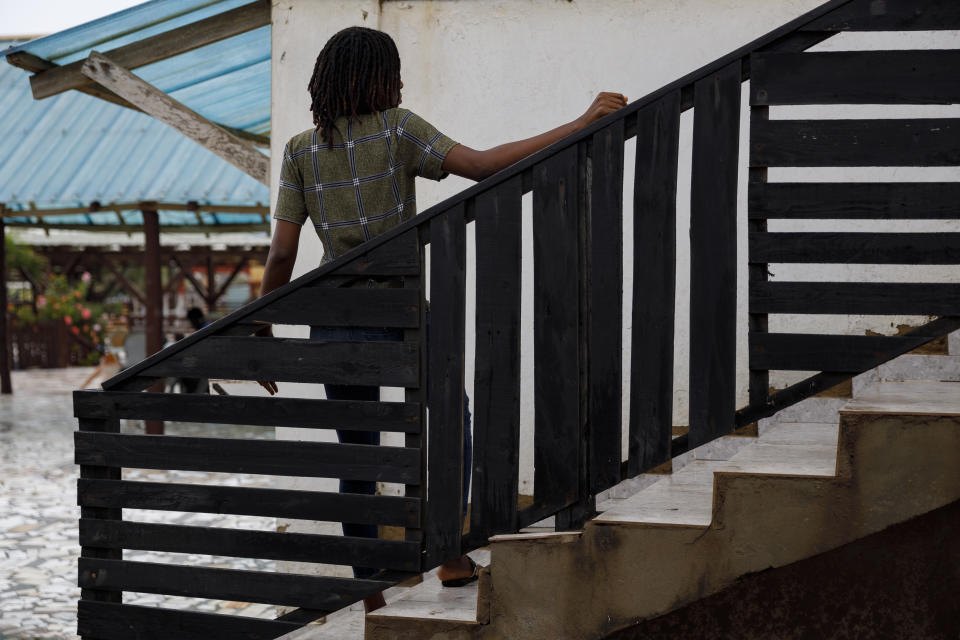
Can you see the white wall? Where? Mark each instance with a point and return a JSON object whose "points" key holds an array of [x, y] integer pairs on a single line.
{"points": [[486, 72]]}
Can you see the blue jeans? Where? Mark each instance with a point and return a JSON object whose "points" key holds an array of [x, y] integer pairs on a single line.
{"points": [[372, 394]]}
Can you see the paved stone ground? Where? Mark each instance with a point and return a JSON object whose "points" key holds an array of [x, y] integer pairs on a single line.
{"points": [[38, 512]]}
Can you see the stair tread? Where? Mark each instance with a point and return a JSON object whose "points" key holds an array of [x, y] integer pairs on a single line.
{"points": [[785, 459], [430, 600], [801, 433], [918, 397], [685, 497]]}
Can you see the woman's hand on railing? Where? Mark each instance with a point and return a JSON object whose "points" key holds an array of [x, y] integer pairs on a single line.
{"points": [[266, 332], [470, 163], [605, 103]]}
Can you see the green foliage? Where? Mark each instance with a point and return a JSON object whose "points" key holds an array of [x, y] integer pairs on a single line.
{"points": [[21, 256]]}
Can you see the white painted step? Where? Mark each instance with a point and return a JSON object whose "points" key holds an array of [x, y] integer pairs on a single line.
{"points": [[428, 600], [921, 367], [686, 496]]}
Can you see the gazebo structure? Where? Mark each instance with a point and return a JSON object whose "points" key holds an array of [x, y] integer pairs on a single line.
{"points": [[178, 148]]}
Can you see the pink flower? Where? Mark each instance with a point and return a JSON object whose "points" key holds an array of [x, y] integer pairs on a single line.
{"points": [[96, 327], [85, 313], [41, 301], [67, 320], [86, 276]]}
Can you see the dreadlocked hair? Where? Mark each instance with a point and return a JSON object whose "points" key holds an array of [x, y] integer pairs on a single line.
{"points": [[357, 72]]}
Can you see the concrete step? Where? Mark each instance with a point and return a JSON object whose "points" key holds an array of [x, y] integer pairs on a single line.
{"points": [[911, 398], [801, 489], [920, 367], [686, 496], [428, 604]]}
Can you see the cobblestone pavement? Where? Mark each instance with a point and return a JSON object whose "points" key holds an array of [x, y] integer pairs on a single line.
{"points": [[38, 512]]}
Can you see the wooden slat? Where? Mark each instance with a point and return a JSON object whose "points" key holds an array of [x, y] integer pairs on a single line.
{"points": [[713, 255], [321, 306], [822, 381], [890, 15], [107, 621], [856, 143], [161, 106], [273, 503], [271, 457], [245, 543], [446, 374], [812, 352], [654, 275], [856, 248], [866, 298], [418, 397], [604, 308], [241, 329], [856, 200], [556, 331], [107, 474], [496, 400], [797, 41], [290, 589], [388, 364], [250, 410], [758, 272], [398, 257], [855, 77]]}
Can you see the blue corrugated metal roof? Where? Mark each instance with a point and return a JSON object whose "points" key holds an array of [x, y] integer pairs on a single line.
{"points": [[227, 81], [73, 149]]}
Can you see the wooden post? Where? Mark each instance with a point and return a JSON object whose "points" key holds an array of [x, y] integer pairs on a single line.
{"points": [[210, 296], [5, 385], [154, 295]]}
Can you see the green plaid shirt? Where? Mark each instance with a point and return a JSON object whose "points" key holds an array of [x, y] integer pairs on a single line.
{"points": [[364, 185]]}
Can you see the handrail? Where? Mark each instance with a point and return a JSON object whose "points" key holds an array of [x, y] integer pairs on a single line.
{"points": [[627, 114]]}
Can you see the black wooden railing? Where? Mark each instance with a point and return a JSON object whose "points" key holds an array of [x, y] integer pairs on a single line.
{"points": [[577, 295]]}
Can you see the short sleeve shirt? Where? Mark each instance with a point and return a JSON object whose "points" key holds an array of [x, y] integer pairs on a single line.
{"points": [[364, 185]]}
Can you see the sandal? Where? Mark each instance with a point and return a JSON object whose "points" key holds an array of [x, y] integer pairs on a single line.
{"points": [[461, 582]]}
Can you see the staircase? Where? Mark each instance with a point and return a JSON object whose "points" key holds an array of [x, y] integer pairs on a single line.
{"points": [[661, 542], [797, 491]]}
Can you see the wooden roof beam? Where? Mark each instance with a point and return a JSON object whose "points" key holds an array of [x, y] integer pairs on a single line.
{"points": [[135, 206], [159, 47], [36, 64], [136, 228], [121, 81]]}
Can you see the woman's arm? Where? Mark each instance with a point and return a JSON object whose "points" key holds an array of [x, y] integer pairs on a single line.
{"points": [[281, 257], [477, 165], [277, 271]]}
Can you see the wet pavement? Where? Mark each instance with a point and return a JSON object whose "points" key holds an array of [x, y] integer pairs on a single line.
{"points": [[38, 512]]}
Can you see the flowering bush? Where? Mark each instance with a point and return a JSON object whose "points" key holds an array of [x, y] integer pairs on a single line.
{"points": [[65, 302]]}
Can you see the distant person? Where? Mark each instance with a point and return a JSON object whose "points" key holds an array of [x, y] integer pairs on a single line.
{"points": [[196, 318]]}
